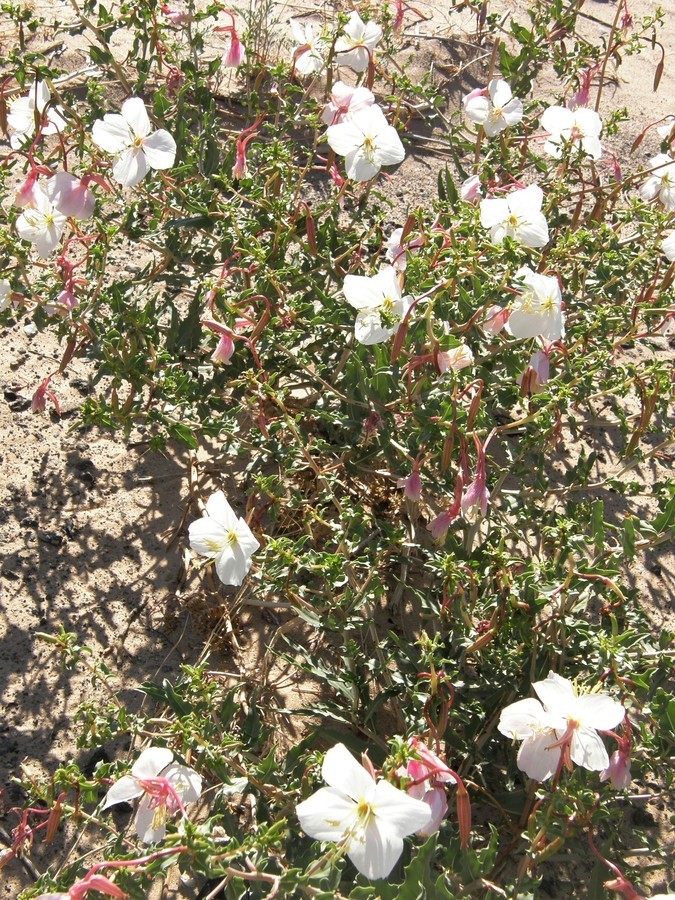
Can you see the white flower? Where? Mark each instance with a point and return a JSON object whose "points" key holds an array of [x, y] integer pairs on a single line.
{"points": [[345, 101], [379, 303], [661, 182], [5, 294], [518, 216], [71, 196], [163, 786], [668, 246], [42, 224], [562, 723], [355, 49], [528, 721], [370, 817], [579, 126], [136, 146], [313, 58], [22, 115], [495, 108], [538, 310], [225, 538], [368, 142]]}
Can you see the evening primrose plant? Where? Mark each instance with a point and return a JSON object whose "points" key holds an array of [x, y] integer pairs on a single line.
{"points": [[408, 397]]}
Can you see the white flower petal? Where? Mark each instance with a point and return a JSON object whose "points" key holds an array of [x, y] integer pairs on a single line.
{"points": [[112, 133], [220, 510], [521, 719], [403, 814], [160, 149], [493, 211], [185, 781], [207, 537], [599, 711], [556, 693], [232, 565], [122, 791], [390, 150], [343, 773], [326, 815], [131, 167], [376, 850], [535, 232], [587, 750], [477, 109], [536, 757], [557, 119], [500, 92], [145, 818], [513, 111], [344, 137], [362, 292], [151, 762], [369, 330], [359, 167], [136, 115]]}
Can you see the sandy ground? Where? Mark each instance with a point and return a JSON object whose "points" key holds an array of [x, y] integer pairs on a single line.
{"points": [[93, 529]]}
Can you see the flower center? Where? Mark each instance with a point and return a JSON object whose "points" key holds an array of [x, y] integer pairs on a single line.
{"points": [[369, 148], [364, 812], [138, 142], [512, 221]]}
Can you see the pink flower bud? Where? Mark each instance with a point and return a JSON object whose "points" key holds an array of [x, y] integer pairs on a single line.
{"points": [[471, 191], [412, 485], [41, 395], [240, 169], [477, 496], [495, 319], [95, 882]]}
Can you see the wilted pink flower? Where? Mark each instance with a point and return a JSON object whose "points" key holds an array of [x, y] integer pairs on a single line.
{"points": [[41, 395], [236, 53], [80, 890], [618, 770], [476, 496], [454, 359], [582, 96], [71, 196], [412, 485], [175, 16], [536, 374], [429, 774], [439, 526], [396, 251], [224, 350], [471, 191], [25, 196], [495, 319]]}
